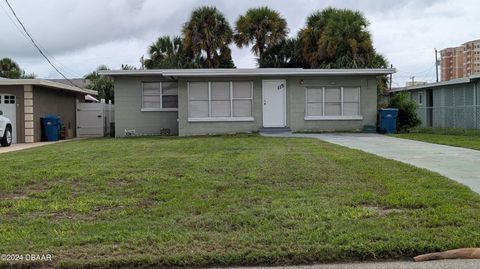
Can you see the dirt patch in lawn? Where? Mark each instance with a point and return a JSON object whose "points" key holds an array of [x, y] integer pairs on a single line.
{"points": [[382, 211]]}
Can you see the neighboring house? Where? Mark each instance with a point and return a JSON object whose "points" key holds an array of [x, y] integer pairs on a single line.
{"points": [[78, 82], [219, 101], [448, 104], [25, 101]]}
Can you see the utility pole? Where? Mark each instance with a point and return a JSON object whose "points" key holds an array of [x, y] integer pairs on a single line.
{"points": [[391, 66], [142, 62], [413, 80], [436, 63]]}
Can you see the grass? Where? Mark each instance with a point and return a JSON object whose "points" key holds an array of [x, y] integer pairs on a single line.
{"points": [[220, 201], [452, 137]]}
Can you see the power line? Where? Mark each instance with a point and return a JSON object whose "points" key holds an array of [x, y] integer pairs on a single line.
{"points": [[37, 46]]}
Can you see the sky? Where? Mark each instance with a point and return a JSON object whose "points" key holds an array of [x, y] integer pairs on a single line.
{"points": [[79, 35]]}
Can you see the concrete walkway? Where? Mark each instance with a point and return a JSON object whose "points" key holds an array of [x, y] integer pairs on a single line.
{"points": [[459, 164], [443, 264], [22, 146]]}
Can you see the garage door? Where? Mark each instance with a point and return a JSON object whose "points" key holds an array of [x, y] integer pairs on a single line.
{"points": [[9, 108]]}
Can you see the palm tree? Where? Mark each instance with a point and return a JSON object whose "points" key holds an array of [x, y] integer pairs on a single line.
{"points": [[261, 27], [337, 38], [168, 53], [286, 54], [207, 35], [10, 69]]}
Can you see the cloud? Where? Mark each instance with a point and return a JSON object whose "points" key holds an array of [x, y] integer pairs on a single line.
{"points": [[82, 34]]}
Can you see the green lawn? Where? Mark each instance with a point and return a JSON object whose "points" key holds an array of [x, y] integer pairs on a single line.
{"points": [[218, 201], [464, 141]]}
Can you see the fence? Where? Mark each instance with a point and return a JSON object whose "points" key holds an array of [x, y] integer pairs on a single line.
{"points": [[93, 119], [450, 117], [449, 107]]}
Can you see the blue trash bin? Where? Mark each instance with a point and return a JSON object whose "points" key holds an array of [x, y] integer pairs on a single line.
{"points": [[388, 120], [50, 128]]}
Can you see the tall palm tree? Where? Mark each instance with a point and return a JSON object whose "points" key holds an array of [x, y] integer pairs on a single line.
{"points": [[261, 27], [168, 53], [286, 54], [10, 69], [207, 35], [337, 38]]}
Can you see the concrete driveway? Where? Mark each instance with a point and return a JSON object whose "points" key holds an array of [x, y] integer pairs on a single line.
{"points": [[22, 146], [459, 164]]}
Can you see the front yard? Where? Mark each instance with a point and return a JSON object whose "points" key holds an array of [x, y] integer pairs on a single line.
{"points": [[456, 140], [230, 200]]}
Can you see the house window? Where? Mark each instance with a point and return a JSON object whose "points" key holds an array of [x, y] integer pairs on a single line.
{"points": [[420, 98], [220, 101], [159, 96], [332, 103]]}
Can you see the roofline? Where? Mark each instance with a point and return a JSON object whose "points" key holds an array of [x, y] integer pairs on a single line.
{"points": [[247, 72], [438, 84], [47, 83]]}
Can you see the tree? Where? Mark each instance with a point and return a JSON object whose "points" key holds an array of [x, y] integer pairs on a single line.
{"points": [[379, 61], [286, 54], [407, 111], [128, 67], [102, 84], [207, 36], [168, 53], [262, 28], [10, 69], [337, 38]]}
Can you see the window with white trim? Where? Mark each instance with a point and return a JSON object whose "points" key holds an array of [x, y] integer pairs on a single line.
{"points": [[158, 96], [331, 102], [420, 98], [220, 101]]}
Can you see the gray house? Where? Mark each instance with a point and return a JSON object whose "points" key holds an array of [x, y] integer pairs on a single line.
{"points": [[448, 104], [220, 101]]}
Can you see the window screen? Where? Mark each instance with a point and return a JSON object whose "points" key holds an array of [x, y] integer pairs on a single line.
{"points": [[333, 101], [151, 95], [220, 99], [160, 95], [225, 99], [198, 100], [169, 95]]}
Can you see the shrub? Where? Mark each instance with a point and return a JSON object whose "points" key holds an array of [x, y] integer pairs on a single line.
{"points": [[407, 111]]}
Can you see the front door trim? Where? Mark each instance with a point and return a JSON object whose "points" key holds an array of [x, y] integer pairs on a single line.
{"points": [[284, 103]]}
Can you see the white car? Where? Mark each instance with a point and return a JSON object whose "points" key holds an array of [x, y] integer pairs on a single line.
{"points": [[5, 131]]}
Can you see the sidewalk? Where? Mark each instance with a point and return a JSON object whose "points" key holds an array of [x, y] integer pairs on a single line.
{"points": [[22, 146]]}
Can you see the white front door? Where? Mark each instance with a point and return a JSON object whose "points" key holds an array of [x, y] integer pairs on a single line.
{"points": [[274, 103], [8, 105]]}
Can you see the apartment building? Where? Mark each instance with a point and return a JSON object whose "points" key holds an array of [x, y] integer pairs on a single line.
{"points": [[462, 61]]}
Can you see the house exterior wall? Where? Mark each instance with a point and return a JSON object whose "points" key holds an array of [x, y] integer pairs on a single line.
{"points": [[17, 90], [58, 102], [129, 114], [128, 109], [295, 106], [296, 92]]}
